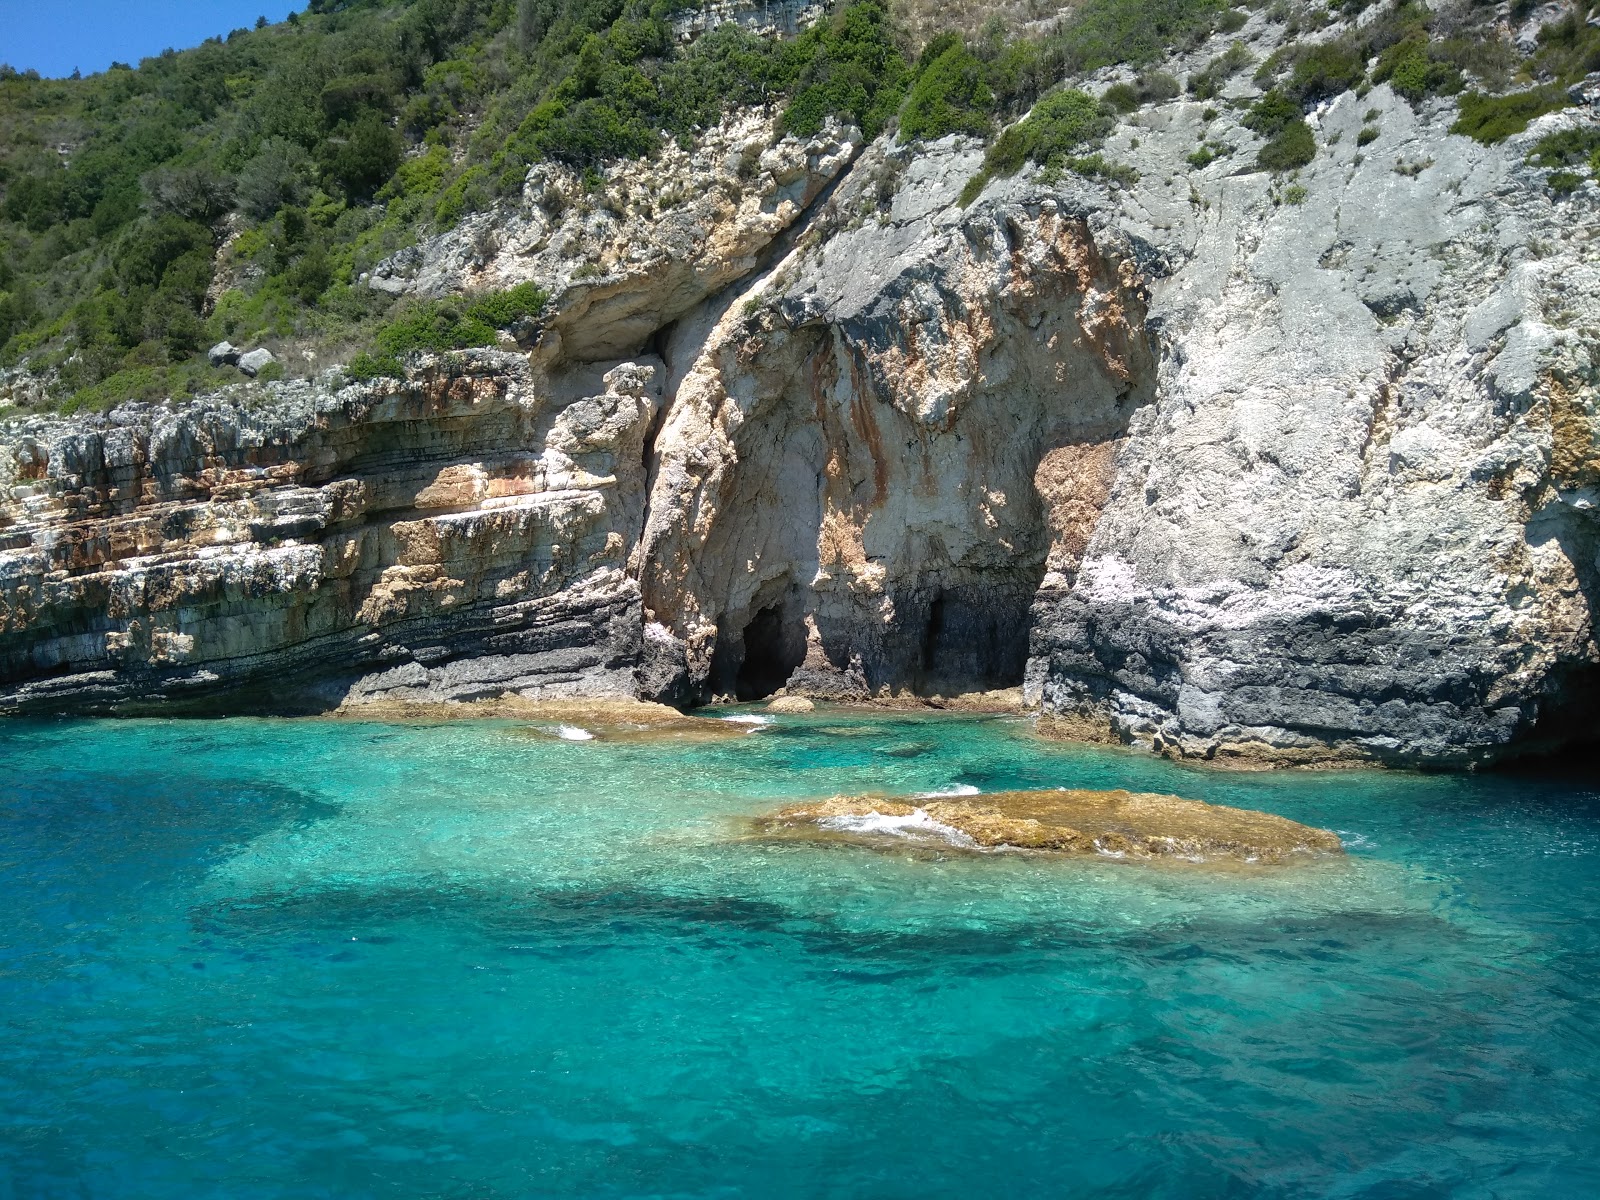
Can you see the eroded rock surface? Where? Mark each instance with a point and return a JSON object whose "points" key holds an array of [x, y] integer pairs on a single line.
{"points": [[1117, 824], [458, 537]]}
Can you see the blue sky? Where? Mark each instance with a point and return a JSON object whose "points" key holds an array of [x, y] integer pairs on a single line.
{"points": [[54, 36]]}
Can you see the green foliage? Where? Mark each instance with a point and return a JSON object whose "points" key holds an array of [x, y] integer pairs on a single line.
{"points": [[361, 155], [1092, 166], [502, 310], [1269, 115], [950, 94], [1152, 87], [1103, 33], [1206, 84], [1413, 70], [1490, 119], [1059, 124], [1324, 70], [1207, 153], [278, 174], [1321, 70], [1122, 97], [1368, 135], [1295, 193], [441, 326], [1569, 47], [848, 66], [1564, 150], [148, 384], [1290, 143], [1564, 183], [1566, 147]]}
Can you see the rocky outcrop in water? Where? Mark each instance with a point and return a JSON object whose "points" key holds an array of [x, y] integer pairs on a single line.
{"points": [[1212, 465], [1114, 824]]}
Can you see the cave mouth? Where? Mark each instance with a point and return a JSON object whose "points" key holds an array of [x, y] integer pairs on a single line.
{"points": [[975, 638], [773, 648]]}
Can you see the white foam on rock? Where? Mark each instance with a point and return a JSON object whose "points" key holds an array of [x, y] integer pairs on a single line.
{"points": [[571, 733], [747, 719], [912, 825], [955, 789]]}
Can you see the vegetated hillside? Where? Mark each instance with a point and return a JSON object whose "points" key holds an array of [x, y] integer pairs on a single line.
{"points": [[239, 189]]}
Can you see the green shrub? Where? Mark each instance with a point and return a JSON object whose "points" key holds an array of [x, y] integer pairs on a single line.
{"points": [[1290, 148], [1563, 183], [1103, 33], [1207, 153], [1325, 70], [1270, 114], [1368, 135], [1122, 97], [1490, 119], [1295, 194], [1569, 48], [469, 192], [1565, 148], [444, 325], [1413, 72], [362, 156], [366, 366], [1091, 166], [1207, 84], [849, 66], [1059, 124], [502, 310], [950, 94]]}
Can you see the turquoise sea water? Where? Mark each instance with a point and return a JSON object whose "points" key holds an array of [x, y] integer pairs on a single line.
{"points": [[307, 959]]}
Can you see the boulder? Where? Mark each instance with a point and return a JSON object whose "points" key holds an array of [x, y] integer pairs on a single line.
{"points": [[790, 704], [223, 354], [251, 364]]}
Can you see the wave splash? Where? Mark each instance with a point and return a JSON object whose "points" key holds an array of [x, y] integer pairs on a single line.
{"points": [[915, 824]]}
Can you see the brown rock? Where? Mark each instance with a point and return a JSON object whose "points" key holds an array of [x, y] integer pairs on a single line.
{"points": [[1118, 824]]}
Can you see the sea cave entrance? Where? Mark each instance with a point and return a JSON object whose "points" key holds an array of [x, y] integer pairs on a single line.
{"points": [[773, 647]]}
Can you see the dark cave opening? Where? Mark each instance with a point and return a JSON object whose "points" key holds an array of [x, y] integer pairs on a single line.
{"points": [[773, 648], [975, 638], [930, 640]]}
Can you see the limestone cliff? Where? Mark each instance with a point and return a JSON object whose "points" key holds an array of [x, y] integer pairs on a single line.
{"points": [[1208, 467]]}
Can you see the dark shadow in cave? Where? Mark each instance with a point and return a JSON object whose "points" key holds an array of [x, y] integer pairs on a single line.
{"points": [[773, 648]]}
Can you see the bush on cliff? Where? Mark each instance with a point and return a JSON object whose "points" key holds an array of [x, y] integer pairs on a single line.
{"points": [[950, 94], [443, 325], [1490, 119], [1290, 143], [1059, 125]]}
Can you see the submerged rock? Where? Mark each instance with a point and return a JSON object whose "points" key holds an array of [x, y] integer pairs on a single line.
{"points": [[1117, 824], [575, 720], [790, 704]]}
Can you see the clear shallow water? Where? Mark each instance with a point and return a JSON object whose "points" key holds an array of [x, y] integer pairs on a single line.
{"points": [[302, 959]]}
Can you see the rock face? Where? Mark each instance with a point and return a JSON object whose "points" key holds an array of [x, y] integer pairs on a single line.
{"points": [[455, 539], [1360, 519], [1116, 824], [1212, 464]]}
